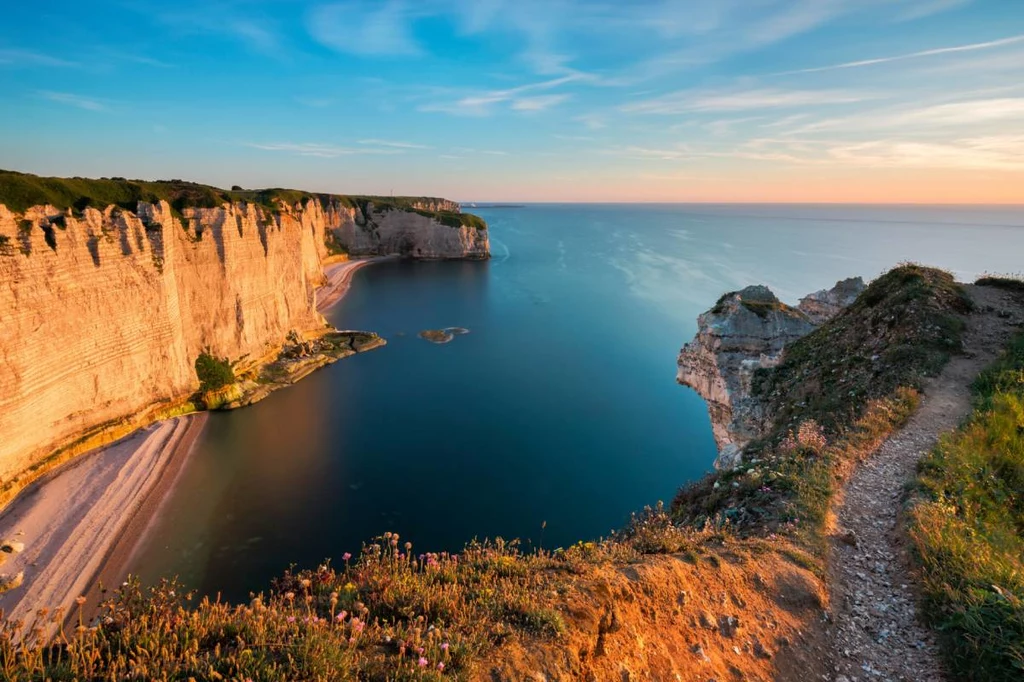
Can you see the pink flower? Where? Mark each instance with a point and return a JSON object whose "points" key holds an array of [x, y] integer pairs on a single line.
{"points": [[440, 666], [444, 647], [340, 617], [291, 619], [422, 662], [346, 556]]}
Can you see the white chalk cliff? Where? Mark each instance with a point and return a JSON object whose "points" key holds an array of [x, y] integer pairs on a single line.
{"points": [[745, 331], [103, 312]]}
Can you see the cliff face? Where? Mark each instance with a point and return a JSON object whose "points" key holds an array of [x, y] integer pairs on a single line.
{"points": [[103, 315], [106, 315], [745, 331], [385, 231]]}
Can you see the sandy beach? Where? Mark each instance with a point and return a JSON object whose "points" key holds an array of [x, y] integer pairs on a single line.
{"points": [[82, 523], [339, 278], [77, 523]]}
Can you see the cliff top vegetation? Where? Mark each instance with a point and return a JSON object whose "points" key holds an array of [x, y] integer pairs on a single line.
{"points": [[967, 524], [20, 191], [835, 397]]}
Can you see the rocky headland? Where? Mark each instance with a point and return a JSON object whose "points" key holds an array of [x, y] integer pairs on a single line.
{"points": [[745, 331], [111, 289]]}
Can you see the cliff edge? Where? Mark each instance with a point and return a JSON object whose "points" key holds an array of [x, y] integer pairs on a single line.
{"points": [[745, 331], [110, 290]]}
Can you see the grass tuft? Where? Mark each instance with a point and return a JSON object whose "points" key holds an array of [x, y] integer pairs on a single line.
{"points": [[967, 527]]}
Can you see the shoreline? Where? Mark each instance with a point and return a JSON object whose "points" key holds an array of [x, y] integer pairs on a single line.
{"points": [[339, 280], [84, 522], [135, 532], [80, 523]]}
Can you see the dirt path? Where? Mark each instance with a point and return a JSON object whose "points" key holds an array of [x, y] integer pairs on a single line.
{"points": [[877, 633]]}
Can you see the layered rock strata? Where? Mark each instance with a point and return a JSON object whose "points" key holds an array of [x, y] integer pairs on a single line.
{"points": [[385, 230], [104, 312], [747, 330]]}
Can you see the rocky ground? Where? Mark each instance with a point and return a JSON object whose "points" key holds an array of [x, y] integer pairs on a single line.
{"points": [[877, 632]]}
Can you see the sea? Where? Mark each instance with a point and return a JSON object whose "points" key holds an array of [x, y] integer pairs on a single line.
{"points": [[555, 417]]}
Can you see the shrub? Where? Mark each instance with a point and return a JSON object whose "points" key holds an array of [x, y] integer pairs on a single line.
{"points": [[213, 372]]}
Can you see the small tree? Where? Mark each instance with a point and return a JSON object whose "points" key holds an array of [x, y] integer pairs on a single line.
{"points": [[213, 372]]}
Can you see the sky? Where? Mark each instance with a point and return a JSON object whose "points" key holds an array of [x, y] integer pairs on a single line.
{"points": [[848, 101]]}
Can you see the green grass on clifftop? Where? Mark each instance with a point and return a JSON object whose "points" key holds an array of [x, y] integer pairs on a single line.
{"points": [[968, 529], [838, 393], [20, 191], [902, 328]]}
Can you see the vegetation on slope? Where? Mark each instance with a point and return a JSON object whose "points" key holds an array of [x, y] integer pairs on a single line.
{"points": [[213, 372], [19, 191], [838, 393], [390, 614], [968, 528]]}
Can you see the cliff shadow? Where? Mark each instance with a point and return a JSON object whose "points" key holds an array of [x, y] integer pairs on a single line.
{"points": [[217, 230]]}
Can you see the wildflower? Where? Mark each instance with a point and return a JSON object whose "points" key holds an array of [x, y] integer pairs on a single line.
{"points": [[291, 619], [444, 647], [440, 667], [422, 662], [346, 556], [80, 601], [289, 595], [305, 583], [349, 586], [340, 617]]}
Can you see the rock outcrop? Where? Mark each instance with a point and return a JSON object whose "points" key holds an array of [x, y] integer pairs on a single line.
{"points": [[747, 330], [825, 304], [381, 230], [103, 312]]}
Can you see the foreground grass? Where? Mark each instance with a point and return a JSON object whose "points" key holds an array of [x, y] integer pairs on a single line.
{"points": [[968, 529], [390, 614], [838, 394]]}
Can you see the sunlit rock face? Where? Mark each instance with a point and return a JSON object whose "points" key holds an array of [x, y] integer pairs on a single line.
{"points": [[382, 231], [103, 313], [747, 330]]}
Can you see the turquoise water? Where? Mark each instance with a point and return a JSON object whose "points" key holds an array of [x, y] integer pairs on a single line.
{"points": [[559, 406]]}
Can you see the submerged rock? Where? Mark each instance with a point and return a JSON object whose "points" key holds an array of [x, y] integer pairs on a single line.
{"points": [[437, 335], [442, 335], [745, 331]]}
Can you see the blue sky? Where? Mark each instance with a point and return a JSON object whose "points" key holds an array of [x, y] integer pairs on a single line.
{"points": [[728, 100]]}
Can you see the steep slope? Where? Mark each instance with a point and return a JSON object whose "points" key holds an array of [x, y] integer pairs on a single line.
{"points": [[110, 290], [746, 331]]}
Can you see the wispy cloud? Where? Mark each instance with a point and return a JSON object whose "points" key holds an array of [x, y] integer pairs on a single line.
{"points": [[318, 150], [972, 47], [996, 152], [72, 100], [15, 57], [932, 118], [224, 19], [379, 29], [690, 101], [926, 8], [483, 102], [391, 143], [538, 103]]}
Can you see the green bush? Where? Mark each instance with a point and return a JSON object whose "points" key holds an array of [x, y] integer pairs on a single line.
{"points": [[213, 372]]}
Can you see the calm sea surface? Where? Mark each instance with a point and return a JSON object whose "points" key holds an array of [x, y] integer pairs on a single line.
{"points": [[560, 405]]}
